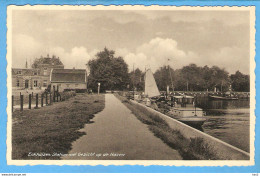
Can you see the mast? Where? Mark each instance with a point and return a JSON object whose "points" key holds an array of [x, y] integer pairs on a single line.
{"points": [[134, 81], [170, 75]]}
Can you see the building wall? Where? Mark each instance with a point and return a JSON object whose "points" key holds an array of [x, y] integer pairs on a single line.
{"points": [[27, 82], [42, 77], [73, 86]]}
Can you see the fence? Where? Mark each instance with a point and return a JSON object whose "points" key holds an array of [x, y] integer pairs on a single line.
{"points": [[34, 101]]}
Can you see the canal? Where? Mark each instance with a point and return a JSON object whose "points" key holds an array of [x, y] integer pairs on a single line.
{"points": [[227, 120]]}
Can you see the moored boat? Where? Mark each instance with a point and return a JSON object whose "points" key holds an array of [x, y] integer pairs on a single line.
{"points": [[185, 111], [222, 97]]}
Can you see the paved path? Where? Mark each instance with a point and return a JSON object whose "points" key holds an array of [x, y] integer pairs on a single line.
{"points": [[116, 130]]}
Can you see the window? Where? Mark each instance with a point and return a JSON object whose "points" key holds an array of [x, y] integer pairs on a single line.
{"points": [[19, 72], [45, 71], [44, 83], [35, 83], [17, 83], [35, 73]]}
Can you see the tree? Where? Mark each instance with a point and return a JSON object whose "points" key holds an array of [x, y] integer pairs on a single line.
{"points": [[191, 76], [136, 80], [164, 77], [46, 60], [110, 71], [240, 82]]}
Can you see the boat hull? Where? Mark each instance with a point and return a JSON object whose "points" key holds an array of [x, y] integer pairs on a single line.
{"points": [[222, 98], [193, 121]]}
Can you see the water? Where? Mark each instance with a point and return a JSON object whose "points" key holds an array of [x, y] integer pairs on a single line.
{"points": [[227, 120]]}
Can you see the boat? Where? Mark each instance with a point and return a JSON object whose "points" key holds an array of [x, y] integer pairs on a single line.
{"points": [[214, 97], [151, 91], [185, 111], [181, 107]]}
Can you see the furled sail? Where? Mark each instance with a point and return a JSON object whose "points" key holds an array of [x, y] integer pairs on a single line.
{"points": [[151, 89]]}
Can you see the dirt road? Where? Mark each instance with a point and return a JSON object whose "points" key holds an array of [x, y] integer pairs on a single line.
{"points": [[116, 134]]}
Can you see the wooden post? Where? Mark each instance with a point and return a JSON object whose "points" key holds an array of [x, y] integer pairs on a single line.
{"points": [[30, 101], [36, 106], [41, 100], [12, 103], [21, 102], [54, 98], [46, 98], [50, 99]]}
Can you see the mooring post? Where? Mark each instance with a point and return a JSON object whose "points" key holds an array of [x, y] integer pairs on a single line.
{"points": [[36, 106], [46, 98], [30, 101], [41, 100], [12, 103], [50, 99], [54, 98], [21, 102]]}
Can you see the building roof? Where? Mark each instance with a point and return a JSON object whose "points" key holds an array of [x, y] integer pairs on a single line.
{"points": [[68, 75], [24, 71]]}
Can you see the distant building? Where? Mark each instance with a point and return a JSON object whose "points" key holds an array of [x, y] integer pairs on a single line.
{"points": [[37, 77], [69, 79]]}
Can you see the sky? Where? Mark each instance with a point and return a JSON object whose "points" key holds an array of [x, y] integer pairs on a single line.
{"points": [[143, 38]]}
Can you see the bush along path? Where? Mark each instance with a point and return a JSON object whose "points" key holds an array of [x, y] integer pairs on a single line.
{"points": [[189, 149], [43, 133]]}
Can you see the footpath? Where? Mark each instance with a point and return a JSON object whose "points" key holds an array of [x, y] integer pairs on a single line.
{"points": [[117, 134]]}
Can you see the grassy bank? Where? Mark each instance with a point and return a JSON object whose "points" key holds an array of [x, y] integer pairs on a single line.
{"points": [[52, 129], [189, 149]]}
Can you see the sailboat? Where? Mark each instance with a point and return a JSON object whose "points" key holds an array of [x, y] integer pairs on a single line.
{"points": [[150, 88]]}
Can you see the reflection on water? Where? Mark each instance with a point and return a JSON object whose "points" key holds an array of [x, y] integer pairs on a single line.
{"points": [[227, 120]]}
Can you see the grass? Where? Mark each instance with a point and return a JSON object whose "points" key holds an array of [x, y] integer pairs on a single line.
{"points": [[52, 129], [189, 149]]}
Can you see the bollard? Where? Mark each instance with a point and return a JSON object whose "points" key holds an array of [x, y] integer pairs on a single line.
{"points": [[30, 101], [50, 99], [41, 100], [36, 106], [46, 99], [12, 103], [21, 102], [54, 98]]}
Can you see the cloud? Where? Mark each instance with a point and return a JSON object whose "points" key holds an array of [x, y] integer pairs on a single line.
{"points": [[26, 47], [230, 58], [156, 53], [77, 57]]}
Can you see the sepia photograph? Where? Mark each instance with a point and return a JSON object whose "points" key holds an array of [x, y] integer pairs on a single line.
{"points": [[131, 85]]}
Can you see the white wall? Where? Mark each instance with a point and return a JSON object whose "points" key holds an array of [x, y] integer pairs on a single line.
{"points": [[63, 86]]}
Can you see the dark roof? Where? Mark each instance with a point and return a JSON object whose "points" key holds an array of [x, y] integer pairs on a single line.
{"points": [[68, 75], [25, 71]]}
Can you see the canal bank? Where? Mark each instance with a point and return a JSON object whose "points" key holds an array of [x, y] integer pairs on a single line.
{"points": [[224, 150]]}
